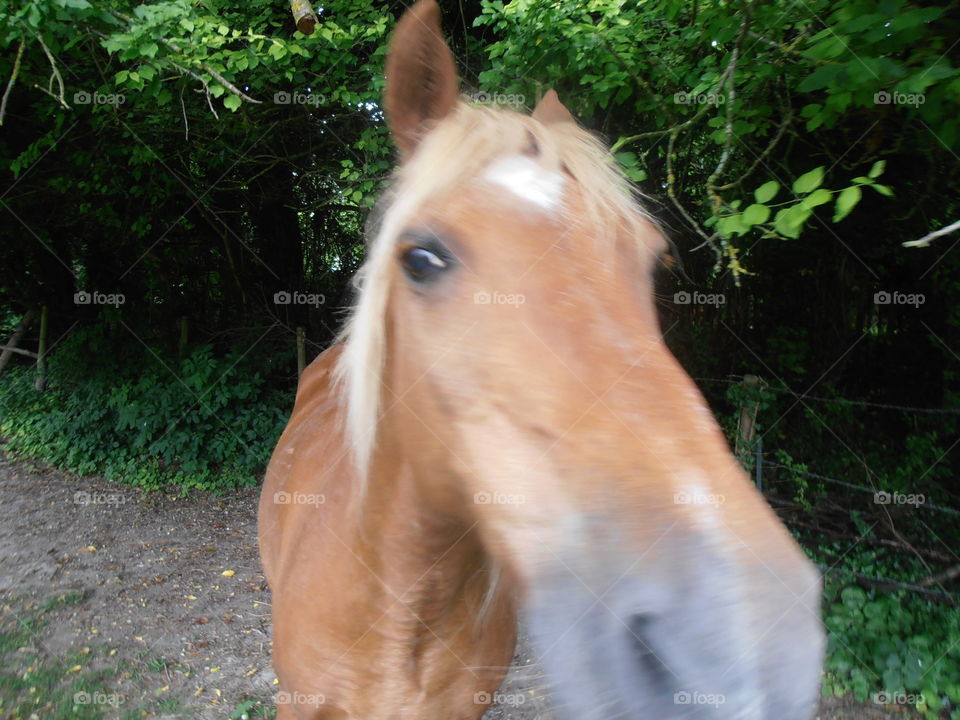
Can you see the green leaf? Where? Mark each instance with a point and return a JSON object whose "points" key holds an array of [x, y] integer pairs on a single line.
{"points": [[767, 191], [846, 201], [730, 225], [877, 169], [756, 215], [149, 49], [809, 181], [789, 221], [231, 102], [817, 197], [853, 597], [883, 189], [820, 78]]}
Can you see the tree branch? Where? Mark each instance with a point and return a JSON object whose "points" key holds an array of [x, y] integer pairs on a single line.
{"points": [[926, 239], [216, 75], [303, 16], [13, 79], [54, 74]]}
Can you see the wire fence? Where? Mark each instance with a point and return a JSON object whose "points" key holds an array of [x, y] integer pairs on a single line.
{"points": [[837, 401], [834, 519], [853, 486]]}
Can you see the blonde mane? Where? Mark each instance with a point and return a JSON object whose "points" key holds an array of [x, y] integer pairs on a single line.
{"points": [[457, 149]]}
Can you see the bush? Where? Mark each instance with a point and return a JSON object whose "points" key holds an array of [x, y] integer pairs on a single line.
{"points": [[895, 647], [131, 415]]}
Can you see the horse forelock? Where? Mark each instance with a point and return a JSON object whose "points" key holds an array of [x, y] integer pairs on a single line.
{"points": [[459, 148]]}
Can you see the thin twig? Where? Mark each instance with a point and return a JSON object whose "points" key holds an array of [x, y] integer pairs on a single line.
{"points": [[926, 239], [13, 79], [760, 158], [731, 77], [672, 194], [945, 576], [54, 74], [186, 125]]}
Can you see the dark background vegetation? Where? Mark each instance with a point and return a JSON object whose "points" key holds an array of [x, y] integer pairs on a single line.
{"points": [[790, 148]]}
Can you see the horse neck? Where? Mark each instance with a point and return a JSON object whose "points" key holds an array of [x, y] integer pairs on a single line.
{"points": [[429, 560]]}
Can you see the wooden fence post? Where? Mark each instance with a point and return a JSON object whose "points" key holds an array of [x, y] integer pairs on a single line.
{"points": [[41, 382], [301, 351], [11, 347], [184, 336], [747, 425]]}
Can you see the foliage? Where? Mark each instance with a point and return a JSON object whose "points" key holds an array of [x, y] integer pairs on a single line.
{"points": [[203, 422], [887, 642], [728, 91], [201, 158], [892, 648]]}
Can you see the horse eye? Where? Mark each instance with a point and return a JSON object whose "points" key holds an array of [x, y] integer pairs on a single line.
{"points": [[422, 265]]}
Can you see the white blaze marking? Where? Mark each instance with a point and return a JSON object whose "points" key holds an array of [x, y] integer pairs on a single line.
{"points": [[525, 178]]}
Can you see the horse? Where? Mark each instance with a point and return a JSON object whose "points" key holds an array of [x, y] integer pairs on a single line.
{"points": [[501, 435]]}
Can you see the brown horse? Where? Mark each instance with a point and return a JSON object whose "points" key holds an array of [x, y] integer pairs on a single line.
{"points": [[502, 431]]}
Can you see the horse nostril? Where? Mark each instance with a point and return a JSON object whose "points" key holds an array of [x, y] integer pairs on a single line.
{"points": [[644, 651]]}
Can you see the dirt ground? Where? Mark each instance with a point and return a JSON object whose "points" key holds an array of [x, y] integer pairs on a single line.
{"points": [[164, 596]]}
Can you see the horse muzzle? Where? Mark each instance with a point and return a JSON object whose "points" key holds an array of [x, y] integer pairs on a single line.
{"points": [[697, 635]]}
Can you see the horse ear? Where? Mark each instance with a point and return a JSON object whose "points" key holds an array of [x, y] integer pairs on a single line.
{"points": [[422, 79], [550, 110]]}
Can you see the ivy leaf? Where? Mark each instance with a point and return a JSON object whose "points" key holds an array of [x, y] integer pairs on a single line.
{"points": [[809, 181], [846, 201], [766, 192]]}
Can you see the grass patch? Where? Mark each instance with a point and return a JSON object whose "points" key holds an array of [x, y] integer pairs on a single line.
{"points": [[34, 682]]}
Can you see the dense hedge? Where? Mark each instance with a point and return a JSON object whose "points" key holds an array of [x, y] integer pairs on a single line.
{"points": [[139, 417]]}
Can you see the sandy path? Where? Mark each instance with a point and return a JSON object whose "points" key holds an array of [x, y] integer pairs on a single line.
{"points": [[188, 641]]}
